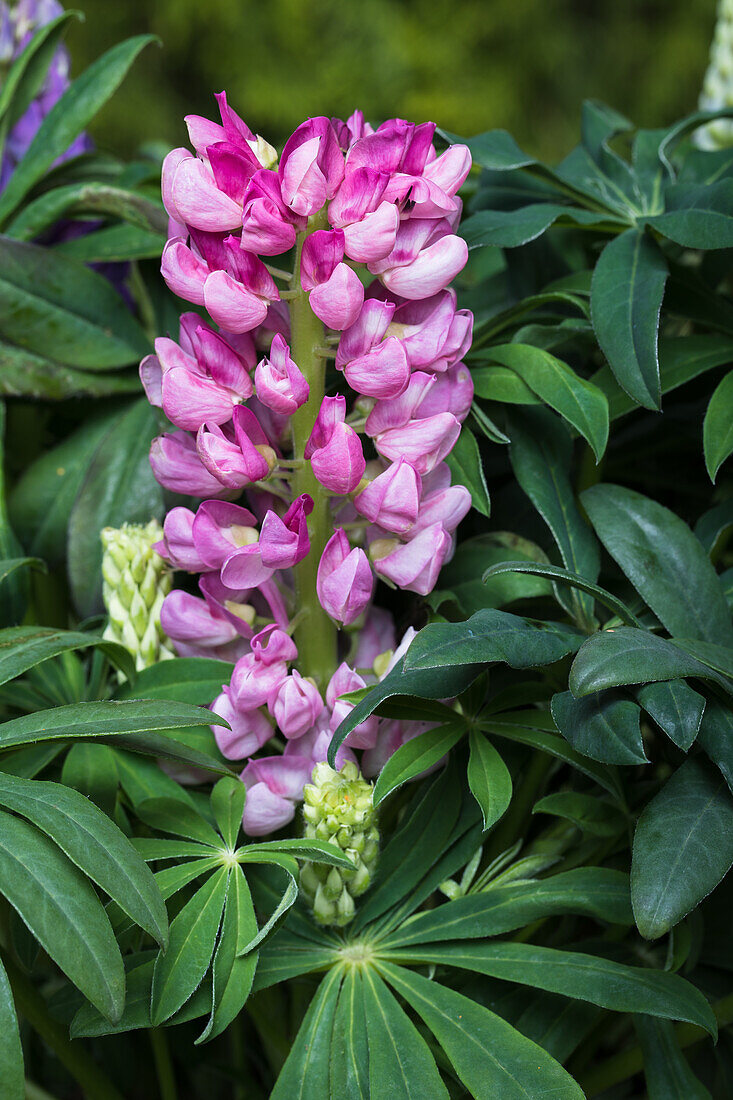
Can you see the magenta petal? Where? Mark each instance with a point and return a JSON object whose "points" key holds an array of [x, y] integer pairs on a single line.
{"points": [[374, 236], [231, 305], [151, 377], [415, 565], [431, 271], [168, 171], [339, 465], [250, 729], [265, 811], [322, 251], [178, 467], [184, 272], [199, 202], [424, 443], [338, 302], [383, 372], [366, 331], [190, 400], [244, 568], [392, 500]]}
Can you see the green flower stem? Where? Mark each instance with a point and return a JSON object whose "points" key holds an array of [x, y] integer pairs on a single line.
{"points": [[630, 1062], [315, 634], [71, 1054], [163, 1064]]}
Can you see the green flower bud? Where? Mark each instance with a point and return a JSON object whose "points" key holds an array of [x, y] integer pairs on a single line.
{"points": [[135, 583], [717, 90], [338, 807]]}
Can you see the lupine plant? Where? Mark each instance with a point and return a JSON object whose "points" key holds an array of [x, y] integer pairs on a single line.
{"points": [[324, 771]]}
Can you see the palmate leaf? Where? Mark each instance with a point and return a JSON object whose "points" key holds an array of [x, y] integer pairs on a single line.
{"points": [[232, 975], [172, 816], [193, 935], [590, 978], [227, 802], [12, 1078], [683, 846], [93, 843], [491, 1058], [349, 1065], [60, 908], [663, 560], [307, 1066], [400, 1062], [418, 755]]}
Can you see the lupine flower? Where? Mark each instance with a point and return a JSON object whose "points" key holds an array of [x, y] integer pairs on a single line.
{"points": [[135, 583], [313, 417]]}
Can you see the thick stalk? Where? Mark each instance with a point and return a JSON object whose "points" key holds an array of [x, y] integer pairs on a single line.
{"points": [[163, 1064], [315, 633], [71, 1054]]}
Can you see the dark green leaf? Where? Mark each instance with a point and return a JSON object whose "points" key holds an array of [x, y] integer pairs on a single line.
{"points": [[590, 891], [626, 297], [716, 737], [306, 1070], [697, 216], [69, 116], [62, 911], [87, 197], [491, 1058], [416, 756], [23, 374], [349, 1070], [170, 815], [488, 778], [113, 244], [23, 647], [717, 429], [93, 843], [193, 933], [185, 679], [119, 488], [604, 726], [311, 848], [676, 708], [590, 814], [232, 976], [227, 802], [663, 560], [668, 1076], [683, 846], [580, 402], [400, 1062], [465, 465], [572, 580], [586, 977], [12, 1082]]}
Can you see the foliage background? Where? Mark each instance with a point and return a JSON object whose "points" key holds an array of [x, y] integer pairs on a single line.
{"points": [[471, 65]]}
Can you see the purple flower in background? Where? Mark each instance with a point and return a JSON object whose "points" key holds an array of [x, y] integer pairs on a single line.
{"points": [[18, 23]]}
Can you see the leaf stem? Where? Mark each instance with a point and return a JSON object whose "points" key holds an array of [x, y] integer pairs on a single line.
{"points": [[29, 1002], [163, 1064]]}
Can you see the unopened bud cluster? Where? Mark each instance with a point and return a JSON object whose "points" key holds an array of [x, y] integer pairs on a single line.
{"points": [[338, 807], [135, 583], [717, 90]]}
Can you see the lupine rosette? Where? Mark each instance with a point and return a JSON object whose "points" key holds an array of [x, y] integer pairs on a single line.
{"points": [[312, 415]]}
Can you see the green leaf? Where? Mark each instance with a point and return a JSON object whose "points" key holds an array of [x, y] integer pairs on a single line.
{"points": [[113, 244], [586, 977], [60, 908], [588, 813], [663, 560], [193, 934], [319, 851], [232, 976], [465, 466], [27, 74], [92, 770], [119, 488], [488, 778], [400, 1062], [58, 304], [445, 683], [697, 216], [541, 453], [416, 756], [286, 956], [626, 298], [307, 1067], [490, 636], [93, 843], [676, 708], [137, 724], [12, 1082], [491, 1058], [717, 429], [716, 737], [578, 401], [170, 815], [603, 725], [185, 679], [513, 228], [24, 647], [668, 1076], [83, 198], [461, 578], [23, 374], [714, 525], [496, 150], [10, 565], [16, 590], [566, 577], [683, 846], [615, 658], [349, 1069], [286, 901], [69, 116], [227, 803], [588, 891]]}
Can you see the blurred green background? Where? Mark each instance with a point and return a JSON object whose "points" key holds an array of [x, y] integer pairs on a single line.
{"points": [[470, 65]]}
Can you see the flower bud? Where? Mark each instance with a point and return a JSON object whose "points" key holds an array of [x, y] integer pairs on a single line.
{"points": [[338, 807], [345, 581], [297, 705], [280, 383], [135, 583], [392, 500]]}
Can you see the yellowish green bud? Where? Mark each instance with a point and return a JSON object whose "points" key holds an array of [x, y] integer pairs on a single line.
{"points": [[135, 583], [338, 807], [717, 90]]}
